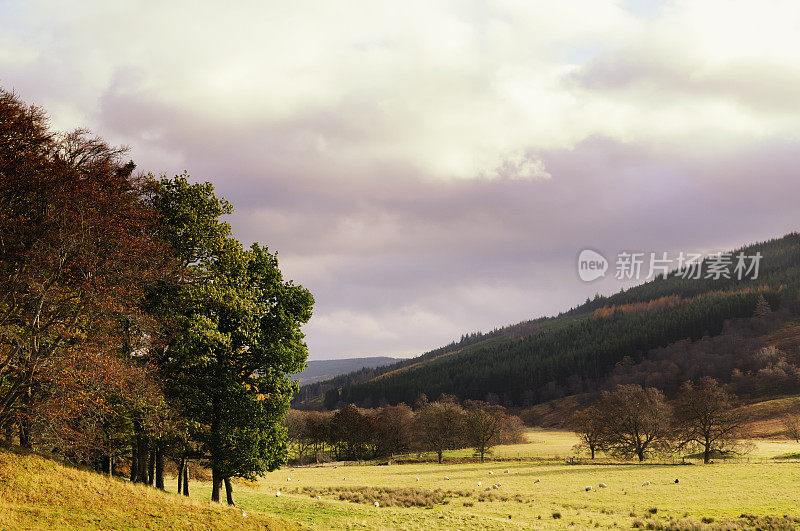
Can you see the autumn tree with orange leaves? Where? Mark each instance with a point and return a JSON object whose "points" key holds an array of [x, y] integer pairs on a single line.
{"points": [[76, 249]]}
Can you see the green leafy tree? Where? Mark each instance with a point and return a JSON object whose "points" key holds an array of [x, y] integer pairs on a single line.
{"points": [[232, 336]]}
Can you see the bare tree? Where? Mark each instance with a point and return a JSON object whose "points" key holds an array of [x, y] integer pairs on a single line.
{"points": [[636, 421], [791, 426], [482, 426], [590, 427], [440, 426], [705, 418]]}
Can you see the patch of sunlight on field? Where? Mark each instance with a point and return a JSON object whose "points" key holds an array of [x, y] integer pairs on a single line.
{"points": [[717, 493]]}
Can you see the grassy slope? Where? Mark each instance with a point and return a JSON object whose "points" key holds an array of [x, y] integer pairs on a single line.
{"points": [[38, 493]]}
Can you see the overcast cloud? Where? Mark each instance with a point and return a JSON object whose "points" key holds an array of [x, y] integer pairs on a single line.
{"points": [[433, 168]]}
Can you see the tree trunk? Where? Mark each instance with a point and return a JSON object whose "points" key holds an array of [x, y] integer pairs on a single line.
{"points": [[216, 483], [186, 478], [139, 461], [159, 469], [439, 455], [229, 491], [134, 463], [25, 421], [706, 454], [25, 432], [179, 465], [151, 467], [591, 449]]}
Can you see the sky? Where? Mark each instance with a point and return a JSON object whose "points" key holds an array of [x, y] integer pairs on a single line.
{"points": [[429, 169]]}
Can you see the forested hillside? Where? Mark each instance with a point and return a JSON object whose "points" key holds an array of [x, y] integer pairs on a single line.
{"points": [[536, 361]]}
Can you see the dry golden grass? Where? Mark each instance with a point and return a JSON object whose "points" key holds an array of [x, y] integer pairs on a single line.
{"points": [[39, 493]]}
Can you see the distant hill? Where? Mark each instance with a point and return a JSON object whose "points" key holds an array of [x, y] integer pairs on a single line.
{"points": [[326, 369], [39, 493], [537, 361]]}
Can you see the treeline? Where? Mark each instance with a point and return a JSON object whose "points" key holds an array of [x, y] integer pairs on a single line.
{"points": [[134, 329], [635, 422], [354, 434]]}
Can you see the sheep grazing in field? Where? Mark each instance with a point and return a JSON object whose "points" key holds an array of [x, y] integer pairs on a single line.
{"points": [[446, 478], [537, 480], [417, 479], [495, 487], [344, 479], [479, 483], [646, 483], [587, 488], [505, 471], [491, 472], [277, 494], [602, 485], [377, 504], [244, 514], [499, 484], [319, 498], [487, 489], [288, 479], [676, 481]]}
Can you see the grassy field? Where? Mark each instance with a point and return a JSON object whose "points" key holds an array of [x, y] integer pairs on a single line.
{"points": [[38, 493], [418, 495]]}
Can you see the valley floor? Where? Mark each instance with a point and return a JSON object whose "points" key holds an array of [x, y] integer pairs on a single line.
{"points": [[756, 492], [760, 493]]}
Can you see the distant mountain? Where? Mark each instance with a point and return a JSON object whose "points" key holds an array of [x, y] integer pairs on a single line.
{"points": [[535, 361], [326, 369]]}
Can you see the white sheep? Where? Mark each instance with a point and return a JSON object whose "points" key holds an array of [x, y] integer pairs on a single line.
{"points": [[319, 498], [602, 485], [244, 514], [447, 478], [277, 494], [417, 479], [288, 479], [491, 472], [377, 504], [495, 487], [537, 480], [344, 479], [479, 483], [588, 488], [646, 483]]}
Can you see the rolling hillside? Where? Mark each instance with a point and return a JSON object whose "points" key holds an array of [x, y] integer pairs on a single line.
{"points": [[536, 361], [39, 493], [319, 370]]}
